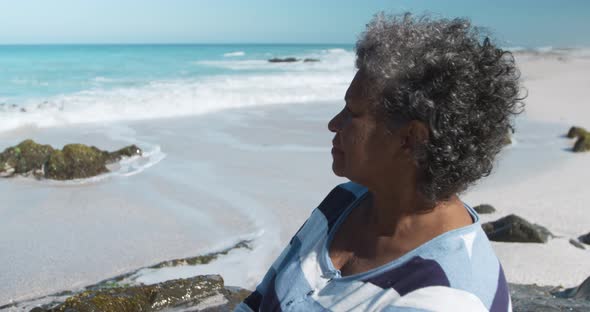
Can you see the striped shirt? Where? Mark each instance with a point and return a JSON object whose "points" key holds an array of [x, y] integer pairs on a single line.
{"points": [[455, 271]]}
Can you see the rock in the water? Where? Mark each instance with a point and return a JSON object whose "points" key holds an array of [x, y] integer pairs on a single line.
{"points": [[577, 243], [576, 132], [74, 161], [585, 238], [24, 158], [308, 60], [283, 60], [513, 228], [484, 208], [533, 298], [199, 292], [128, 151], [582, 144]]}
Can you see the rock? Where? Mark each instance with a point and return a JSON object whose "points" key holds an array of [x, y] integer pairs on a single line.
{"points": [[577, 243], [74, 161], [576, 132], [582, 144], [528, 298], [585, 238], [581, 292], [205, 292], [283, 60], [513, 228], [128, 151], [484, 208], [24, 158], [309, 60]]}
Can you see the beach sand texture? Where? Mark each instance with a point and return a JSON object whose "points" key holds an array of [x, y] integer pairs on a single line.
{"points": [[256, 173]]}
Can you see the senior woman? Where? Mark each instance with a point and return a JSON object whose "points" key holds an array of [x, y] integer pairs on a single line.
{"points": [[426, 113]]}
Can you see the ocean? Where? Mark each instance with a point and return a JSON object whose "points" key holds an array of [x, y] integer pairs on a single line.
{"points": [[45, 85]]}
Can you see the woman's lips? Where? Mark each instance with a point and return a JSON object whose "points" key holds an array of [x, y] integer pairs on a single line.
{"points": [[336, 151]]}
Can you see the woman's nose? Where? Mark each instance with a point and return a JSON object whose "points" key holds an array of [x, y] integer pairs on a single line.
{"points": [[335, 122]]}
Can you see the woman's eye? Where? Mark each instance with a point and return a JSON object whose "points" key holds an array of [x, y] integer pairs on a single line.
{"points": [[350, 112]]}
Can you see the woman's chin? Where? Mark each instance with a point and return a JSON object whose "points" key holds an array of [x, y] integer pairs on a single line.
{"points": [[337, 169]]}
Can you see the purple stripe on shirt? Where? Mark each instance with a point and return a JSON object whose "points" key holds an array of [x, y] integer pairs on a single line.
{"points": [[253, 300], [414, 274], [270, 301], [501, 298], [335, 203]]}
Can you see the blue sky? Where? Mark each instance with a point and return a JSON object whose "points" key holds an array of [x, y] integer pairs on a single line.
{"points": [[531, 23]]}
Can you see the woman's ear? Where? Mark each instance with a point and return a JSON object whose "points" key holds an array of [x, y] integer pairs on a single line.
{"points": [[414, 135]]}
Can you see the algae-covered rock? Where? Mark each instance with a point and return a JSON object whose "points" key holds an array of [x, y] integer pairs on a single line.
{"points": [[24, 158], [582, 144], [513, 228], [190, 292], [484, 208], [74, 161], [128, 151], [576, 132]]}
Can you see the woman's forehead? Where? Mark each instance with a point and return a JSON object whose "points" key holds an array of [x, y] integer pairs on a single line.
{"points": [[357, 88]]}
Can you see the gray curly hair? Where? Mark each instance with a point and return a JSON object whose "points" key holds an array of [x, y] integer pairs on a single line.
{"points": [[441, 72]]}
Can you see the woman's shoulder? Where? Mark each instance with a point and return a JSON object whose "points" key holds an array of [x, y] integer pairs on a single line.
{"points": [[339, 199]]}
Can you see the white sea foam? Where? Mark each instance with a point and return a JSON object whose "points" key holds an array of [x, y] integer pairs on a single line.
{"points": [[270, 83], [233, 54], [304, 82]]}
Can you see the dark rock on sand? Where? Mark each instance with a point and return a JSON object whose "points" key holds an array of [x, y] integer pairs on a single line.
{"points": [[585, 238], [308, 60], [582, 144], [576, 132], [24, 158], [533, 298], [74, 161], [582, 137], [206, 292], [576, 243], [484, 208], [283, 60], [581, 292], [513, 228]]}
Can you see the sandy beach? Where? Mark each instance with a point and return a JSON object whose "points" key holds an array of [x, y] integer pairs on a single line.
{"points": [[210, 180]]}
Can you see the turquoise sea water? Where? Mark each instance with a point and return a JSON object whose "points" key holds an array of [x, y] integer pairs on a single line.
{"points": [[45, 70], [44, 85]]}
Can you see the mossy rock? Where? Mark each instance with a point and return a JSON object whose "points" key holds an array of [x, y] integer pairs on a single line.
{"points": [[75, 161], [513, 228], [484, 209], [128, 151], [582, 144], [576, 132], [24, 158], [169, 294]]}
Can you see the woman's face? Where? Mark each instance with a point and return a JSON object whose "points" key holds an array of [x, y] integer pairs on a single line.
{"points": [[363, 150]]}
